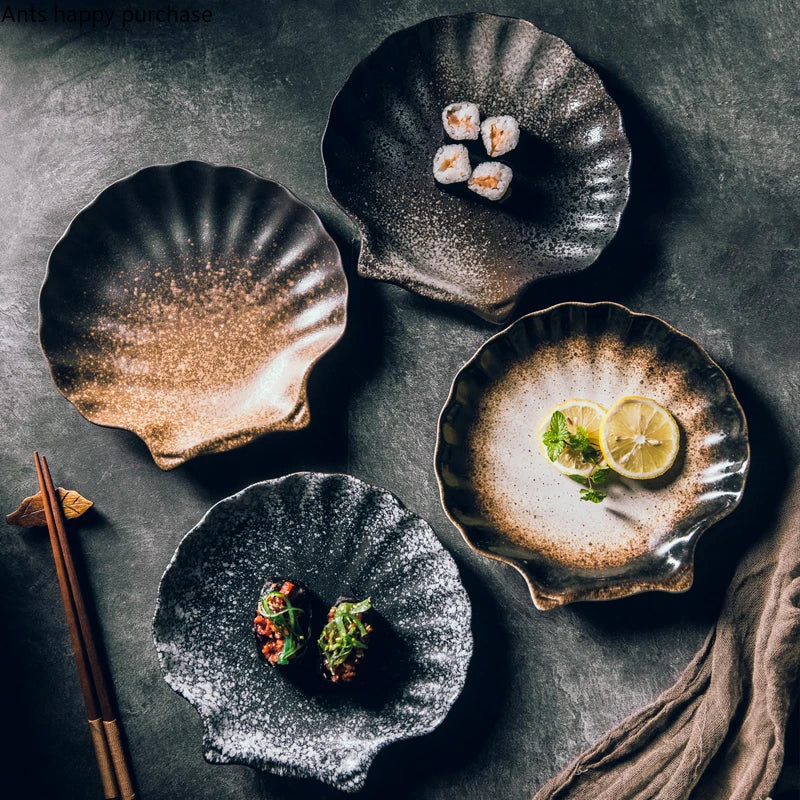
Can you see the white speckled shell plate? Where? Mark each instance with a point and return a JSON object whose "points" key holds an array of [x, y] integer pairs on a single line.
{"points": [[187, 303], [511, 504], [338, 536]]}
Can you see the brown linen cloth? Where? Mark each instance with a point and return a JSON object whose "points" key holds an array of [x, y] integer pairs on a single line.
{"points": [[718, 733]]}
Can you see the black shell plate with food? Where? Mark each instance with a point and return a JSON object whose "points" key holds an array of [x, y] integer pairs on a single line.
{"points": [[337, 536]]}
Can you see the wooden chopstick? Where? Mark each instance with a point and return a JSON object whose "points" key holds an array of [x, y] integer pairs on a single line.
{"points": [[87, 688], [114, 771]]}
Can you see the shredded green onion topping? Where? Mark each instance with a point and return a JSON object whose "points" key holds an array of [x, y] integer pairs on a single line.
{"points": [[289, 622], [345, 633]]}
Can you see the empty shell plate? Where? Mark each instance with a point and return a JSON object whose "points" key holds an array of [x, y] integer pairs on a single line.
{"points": [[188, 303]]}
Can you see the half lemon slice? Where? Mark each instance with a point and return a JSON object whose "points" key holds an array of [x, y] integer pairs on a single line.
{"points": [[639, 439], [579, 413]]}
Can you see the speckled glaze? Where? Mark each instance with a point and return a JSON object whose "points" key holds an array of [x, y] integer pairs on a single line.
{"points": [[384, 129], [187, 303], [510, 503], [338, 536]]}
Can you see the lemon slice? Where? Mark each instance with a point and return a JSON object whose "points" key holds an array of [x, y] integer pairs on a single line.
{"points": [[579, 412], [639, 439]]}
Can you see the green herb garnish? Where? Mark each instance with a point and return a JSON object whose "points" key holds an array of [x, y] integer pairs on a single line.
{"points": [[557, 439], [344, 633], [600, 475], [288, 621]]}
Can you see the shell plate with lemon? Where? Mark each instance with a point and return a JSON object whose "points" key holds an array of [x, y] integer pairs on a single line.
{"points": [[672, 442]]}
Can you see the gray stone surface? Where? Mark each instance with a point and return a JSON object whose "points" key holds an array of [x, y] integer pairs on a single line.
{"points": [[709, 242]]}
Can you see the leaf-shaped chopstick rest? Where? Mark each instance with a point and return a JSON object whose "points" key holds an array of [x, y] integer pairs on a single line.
{"points": [[31, 511]]}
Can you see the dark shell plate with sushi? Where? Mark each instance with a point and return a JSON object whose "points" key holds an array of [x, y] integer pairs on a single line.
{"points": [[571, 165]]}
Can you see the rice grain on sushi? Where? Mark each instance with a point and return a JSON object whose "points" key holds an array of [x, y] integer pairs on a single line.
{"points": [[462, 121], [500, 135], [451, 164], [491, 180]]}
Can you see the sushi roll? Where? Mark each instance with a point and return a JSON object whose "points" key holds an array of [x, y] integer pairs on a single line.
{"points": [[344, 639], [500, 135], [282, 622], [462, 121], [451, 164], [491, 180]]}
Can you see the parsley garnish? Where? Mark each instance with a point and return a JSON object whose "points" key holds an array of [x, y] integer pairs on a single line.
{"points": [[593, 496], [557, 439]]}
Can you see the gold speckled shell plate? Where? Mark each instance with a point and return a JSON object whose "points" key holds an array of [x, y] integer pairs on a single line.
{"points": [[187, 303], [509, 502]]}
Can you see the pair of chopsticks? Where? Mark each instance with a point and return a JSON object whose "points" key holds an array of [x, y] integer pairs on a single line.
{"points": [[111, 758]]}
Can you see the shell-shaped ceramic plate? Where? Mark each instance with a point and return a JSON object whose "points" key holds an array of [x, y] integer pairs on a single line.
{"points": [[512, 505], [385, 127], [187, 303], [340, 537]]}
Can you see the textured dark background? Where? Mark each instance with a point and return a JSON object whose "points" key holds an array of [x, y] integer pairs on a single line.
{"points": [[708, 92]]}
